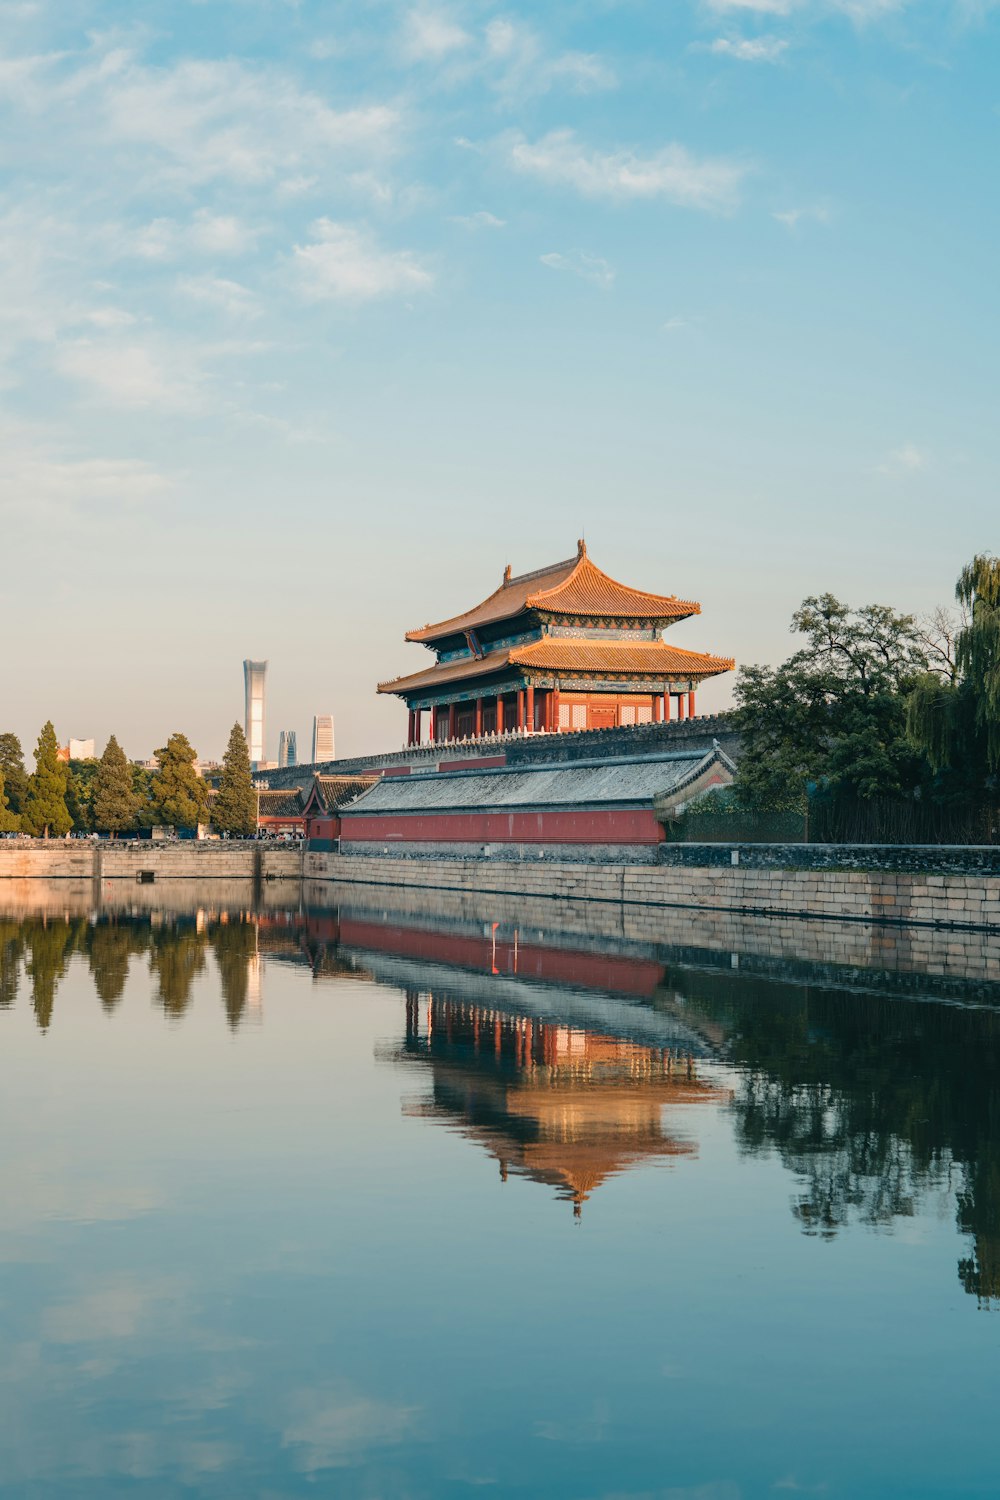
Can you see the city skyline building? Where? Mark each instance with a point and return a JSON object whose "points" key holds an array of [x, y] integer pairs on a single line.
{"points": [[322, 740], [287, 748], [255, 726]]}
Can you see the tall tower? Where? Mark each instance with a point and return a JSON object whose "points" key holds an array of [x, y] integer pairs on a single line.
{"points": [[322, 738], [254, 673], [288, 754]]}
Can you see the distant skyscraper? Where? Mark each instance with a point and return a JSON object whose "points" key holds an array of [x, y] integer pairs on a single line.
{"points": [[287, 750], [322, 738], [254, 673]]}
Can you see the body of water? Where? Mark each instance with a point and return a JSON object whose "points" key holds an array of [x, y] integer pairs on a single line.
{"points": [[352, 1200]]}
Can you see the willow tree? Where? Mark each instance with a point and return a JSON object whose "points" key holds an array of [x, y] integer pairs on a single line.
{"points": [[957, 724]]}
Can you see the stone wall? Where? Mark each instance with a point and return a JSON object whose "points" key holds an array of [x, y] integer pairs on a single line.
{"points": [[184, 860], [882, 896], [959, 964]]}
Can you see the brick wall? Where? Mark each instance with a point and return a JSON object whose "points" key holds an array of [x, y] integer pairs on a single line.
{"points": [[883, 896]]}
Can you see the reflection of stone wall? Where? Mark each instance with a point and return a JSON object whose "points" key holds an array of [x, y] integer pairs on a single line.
{"points": [[883, 896], [847, 954]]}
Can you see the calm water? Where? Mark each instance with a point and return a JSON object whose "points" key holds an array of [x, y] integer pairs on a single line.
{"points": [[362, 1202]]}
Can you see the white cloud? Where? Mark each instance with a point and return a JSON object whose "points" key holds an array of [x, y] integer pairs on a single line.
{"points": [[343, 262], [36, 478], [430, 35], [793, 217], [109, 317], [479, 220], [124, 374], [204, 233], [758, 7], [750, 49], [198, 120], [672, 173], [909, 459], [588, 267], [518, 66], [230, 297]]}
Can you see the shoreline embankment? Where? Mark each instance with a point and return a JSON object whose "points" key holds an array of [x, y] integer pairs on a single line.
{"points": [[929, 886]]}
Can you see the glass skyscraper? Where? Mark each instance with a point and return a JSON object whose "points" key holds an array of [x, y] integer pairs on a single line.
{"points": [[254, 673], [322, 738], [288, 754]]}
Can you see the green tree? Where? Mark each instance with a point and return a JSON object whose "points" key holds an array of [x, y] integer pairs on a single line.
{"points": [[45, 808], [12, 766], [235, 945], [235, 808], [179, 795], [9, 821], [176, 959], [835, 711], [80, 777], [115, 805], [956, 722]]}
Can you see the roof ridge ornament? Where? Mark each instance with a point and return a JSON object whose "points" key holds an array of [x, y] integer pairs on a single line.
{"points": [[581, 547], [506, 575]]}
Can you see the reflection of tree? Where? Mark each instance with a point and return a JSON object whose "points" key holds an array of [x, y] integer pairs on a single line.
{"points": [[111, 945], [869, 1100], [177, 957], [11, 950], [50, 946], [235, 945]]}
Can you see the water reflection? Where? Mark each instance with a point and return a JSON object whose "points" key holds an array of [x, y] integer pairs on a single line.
{"points": [[570, 1064], [563, 1106]]}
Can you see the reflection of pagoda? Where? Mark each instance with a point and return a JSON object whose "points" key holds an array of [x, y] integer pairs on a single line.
{"points": [[563, 1106]]}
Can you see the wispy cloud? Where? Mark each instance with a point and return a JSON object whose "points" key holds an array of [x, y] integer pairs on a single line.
{"points": [[479, 220], [749, 49], [588, 267], [430, 35], [204, 233], [125, 374], [793, 217], [229, 297], [673, 173], [909, 459], [343, 262], [37, 477]]}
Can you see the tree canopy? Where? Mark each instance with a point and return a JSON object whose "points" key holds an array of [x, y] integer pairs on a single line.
{"points": [[235, 807], [115, 805], [10, 822], [179, 795], [45, 811], [956, 723], [12, 766], [835, 711]]}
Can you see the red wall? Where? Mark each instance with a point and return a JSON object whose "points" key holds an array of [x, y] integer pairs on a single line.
{"points": [[630, 976], [566, 826]]}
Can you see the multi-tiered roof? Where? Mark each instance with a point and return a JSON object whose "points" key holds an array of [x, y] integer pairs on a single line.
{"points": [[568, 626]]}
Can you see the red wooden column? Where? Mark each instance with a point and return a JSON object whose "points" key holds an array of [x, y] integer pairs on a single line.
{"points": [[499, 713], [680, 705], [520, 710], [530, 707], [479, 717], [452, 720], [555, 709], [690, 705], [409, 728], [657, 707], [666, 707]]}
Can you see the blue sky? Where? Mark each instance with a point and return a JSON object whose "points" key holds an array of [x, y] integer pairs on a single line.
{"points": [[313, 316]]}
